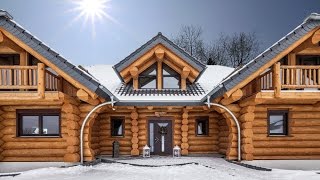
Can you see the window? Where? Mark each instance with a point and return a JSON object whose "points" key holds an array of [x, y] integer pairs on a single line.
{"points": [[38, 122], [117, 128], [171, 79], [148, 78], [278, 122], [202, 126]]}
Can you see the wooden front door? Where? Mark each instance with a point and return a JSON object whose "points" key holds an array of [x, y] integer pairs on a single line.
{"points": [[160, 137]]}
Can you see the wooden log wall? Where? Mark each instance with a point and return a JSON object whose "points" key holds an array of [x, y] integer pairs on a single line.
{"points": [[2, 126], [90, 138], [203, 144], [70, 112], [135, 133], [228, 131], [106, 139], [246, 119], [303, 141], [184, 131], [30, 149]]}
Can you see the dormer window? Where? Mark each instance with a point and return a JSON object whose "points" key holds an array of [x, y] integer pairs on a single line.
{"points": [[171, 79], [148, 78]]}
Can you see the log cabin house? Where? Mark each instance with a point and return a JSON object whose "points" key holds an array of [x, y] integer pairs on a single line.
{"points": [[160, 94]]}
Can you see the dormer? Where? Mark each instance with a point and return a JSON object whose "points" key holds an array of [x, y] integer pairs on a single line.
{"points": [[159, 64]]}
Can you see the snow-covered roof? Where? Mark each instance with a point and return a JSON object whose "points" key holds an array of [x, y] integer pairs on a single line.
{"points": [[210, 78]]}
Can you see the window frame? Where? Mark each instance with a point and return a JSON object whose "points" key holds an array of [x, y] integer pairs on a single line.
{"points": [[179, 77], [285, 115], [206, 119], [117, 118], [145, 76], [40, 113]]}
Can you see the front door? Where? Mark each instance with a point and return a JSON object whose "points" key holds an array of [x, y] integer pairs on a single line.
{"points": [[160, 137]]}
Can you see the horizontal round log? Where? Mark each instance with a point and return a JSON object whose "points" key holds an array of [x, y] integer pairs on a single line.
{"points": [[9, 130], [73, 149], [134, 123], [305, 122], [70, 117], [184, 128], [33, 159], [247, 133], [184, 145], [247, 148], [184, 140], [203, 142], [70, 108], [184, 134], [287, 144], [203, 148], [73, 141], [34, 145], [75, 157], [247, 117], [259, 122], [291, 157], [293, 137], [135, 152], [185, 121], [13, 138], [34, 152], [185, 115], [134, 140], [247, 157], [303, 130], [8, 122], [134, 115], [286, 151], [73, 125], [9, 115], [184, 152], [134, 129]]}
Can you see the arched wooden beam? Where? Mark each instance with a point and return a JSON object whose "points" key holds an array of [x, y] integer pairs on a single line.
{"points": [[1, 37]]}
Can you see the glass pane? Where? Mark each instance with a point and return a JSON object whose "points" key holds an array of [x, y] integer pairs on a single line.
{"points": [[276, 124], [200, 130], [151, 71], [168, 71], [171, 83], [50, 125], [117, 128], [30, 125], [151, 137], [148, 82]]}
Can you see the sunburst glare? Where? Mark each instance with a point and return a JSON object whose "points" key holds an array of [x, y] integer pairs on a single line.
{"points": [[91, 11]]}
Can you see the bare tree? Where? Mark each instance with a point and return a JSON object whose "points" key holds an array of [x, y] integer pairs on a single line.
{"points": [[189, 38], [228, 50], [241, 48]]}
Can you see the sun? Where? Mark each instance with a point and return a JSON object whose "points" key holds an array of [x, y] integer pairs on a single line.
{"points": [[92, 11]]}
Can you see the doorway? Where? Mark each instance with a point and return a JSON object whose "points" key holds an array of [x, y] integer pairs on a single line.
{"points": [[160, 136]]}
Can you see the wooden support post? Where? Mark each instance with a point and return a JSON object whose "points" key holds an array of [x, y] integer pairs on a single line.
{"points": [[159, 75], [41, 80], [134, 73], [24, 73], [276, 80], [184, 75]]}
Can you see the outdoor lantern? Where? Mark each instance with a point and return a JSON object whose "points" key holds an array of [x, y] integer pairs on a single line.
{"points": [[176, 151], [146, 151]]}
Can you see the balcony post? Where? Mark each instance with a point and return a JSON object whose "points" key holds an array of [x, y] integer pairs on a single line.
{"points": [[276, 80], [41, 80]]}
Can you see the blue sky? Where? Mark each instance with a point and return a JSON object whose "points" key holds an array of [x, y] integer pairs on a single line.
{"points": [[140, 20]]}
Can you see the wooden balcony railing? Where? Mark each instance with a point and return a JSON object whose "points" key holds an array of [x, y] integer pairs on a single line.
{"points": [[31, 78], [285, 77]]}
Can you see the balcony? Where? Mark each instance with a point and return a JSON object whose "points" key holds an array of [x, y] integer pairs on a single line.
{"points": [[281, 78], [28, 79]]}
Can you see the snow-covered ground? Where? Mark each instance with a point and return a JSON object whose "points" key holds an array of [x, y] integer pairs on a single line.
{"points": [[217, 168]]}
